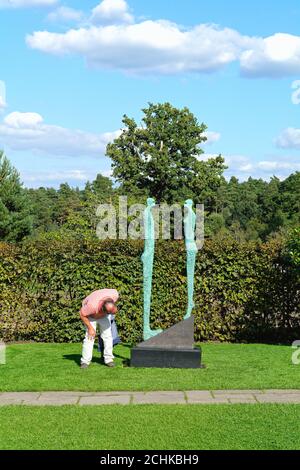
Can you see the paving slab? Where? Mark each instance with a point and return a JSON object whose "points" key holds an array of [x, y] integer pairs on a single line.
{"points": [[10, 401], [54, 395], [245, 400], [210, 401], [278, 398], [159, 397], [166, 398], [285, 392], [50, 402], [53, 401], [204, 397], [235, 393], [20, 395], [109, 399], [199, 396], [114, 393], [236, 396]]}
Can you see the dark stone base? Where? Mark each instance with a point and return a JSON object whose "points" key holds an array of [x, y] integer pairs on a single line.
{"points": [[166, 358]]}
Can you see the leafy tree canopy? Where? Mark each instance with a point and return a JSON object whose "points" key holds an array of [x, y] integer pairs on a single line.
{"points": [[161, 156]]}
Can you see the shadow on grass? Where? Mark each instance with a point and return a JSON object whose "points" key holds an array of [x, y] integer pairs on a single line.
{"points": [[77, 357]]}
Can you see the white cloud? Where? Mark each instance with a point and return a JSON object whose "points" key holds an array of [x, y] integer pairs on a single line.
{"points": [[59, 176], [18, 120], [26, 3], [243, 167], [111, 12], [115, 40], [65, 14], [289, 139], [27, 131], [239, 163], [50, 178], [147, 47], [271, 165], [212, 137], [235, 162], [75, 177], [2, 103], [274, 56]]}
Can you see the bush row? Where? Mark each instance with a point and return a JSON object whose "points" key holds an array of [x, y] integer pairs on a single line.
{"points": [[243, 292]]}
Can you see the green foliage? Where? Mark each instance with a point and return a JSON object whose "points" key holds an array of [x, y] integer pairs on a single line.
{"points": [[260, 209], [243, 291], [161, 155], [254, 210], [293, 247], [15, 219], [102, 188]]}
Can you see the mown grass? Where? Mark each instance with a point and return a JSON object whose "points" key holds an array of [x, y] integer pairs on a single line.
{"points": [[37, 367], [170, 427]]}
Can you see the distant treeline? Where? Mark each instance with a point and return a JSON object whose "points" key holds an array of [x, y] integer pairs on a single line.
{"points": [[254, 210], [251, 210]]}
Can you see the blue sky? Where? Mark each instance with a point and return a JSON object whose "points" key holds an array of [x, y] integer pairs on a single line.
{"points": [[70, 70]]}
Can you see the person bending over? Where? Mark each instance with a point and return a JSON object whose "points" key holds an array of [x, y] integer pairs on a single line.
{"points": [[96, 310]]}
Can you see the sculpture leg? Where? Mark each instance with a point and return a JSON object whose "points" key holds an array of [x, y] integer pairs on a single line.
{"points": [[148, 271], [191, 261]]}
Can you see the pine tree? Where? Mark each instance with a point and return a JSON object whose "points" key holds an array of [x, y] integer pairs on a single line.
{"points": [[15, 218]]}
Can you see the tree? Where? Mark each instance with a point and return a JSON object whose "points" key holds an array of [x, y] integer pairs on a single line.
{"points": [[293, 246], [290, 198], [68, 202], [214, 223], [15, 218], [102, 187], [161, 155], [43, 202]]}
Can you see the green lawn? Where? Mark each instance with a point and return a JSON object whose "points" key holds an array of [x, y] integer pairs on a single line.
{"points": [[151, 427], [228, 366]]}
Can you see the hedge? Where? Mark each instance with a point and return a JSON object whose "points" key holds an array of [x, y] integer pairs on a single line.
{"points": [[243, 292]]}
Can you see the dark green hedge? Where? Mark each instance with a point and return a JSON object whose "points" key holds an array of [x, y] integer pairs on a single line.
{"points": [[244, 292]]}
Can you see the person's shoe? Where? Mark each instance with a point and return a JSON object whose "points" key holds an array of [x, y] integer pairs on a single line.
{"points": [[110, 364], [84, 366]]}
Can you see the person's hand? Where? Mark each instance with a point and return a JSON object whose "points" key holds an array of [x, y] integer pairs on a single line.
{"points": [[91, 333]]}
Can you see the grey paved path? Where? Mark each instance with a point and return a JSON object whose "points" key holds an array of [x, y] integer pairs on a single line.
{"points": [[142, 398]]}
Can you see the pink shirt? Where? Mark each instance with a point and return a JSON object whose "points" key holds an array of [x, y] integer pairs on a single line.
{"points": [[93, 303]]}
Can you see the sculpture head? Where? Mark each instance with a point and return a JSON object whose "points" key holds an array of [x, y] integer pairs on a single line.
{"points": [[150, 202], [189, 203]]}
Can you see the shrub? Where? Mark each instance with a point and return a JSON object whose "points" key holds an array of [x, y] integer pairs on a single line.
{"points": [[243, 291]]}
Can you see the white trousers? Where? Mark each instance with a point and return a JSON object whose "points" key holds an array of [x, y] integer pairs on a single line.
{"points": [[106, 335]]}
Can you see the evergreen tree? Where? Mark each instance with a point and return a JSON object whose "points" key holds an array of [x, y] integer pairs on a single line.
{"points": [[15, 218]]}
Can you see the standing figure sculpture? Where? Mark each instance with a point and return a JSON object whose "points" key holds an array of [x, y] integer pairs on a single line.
{"points": [[174, 347], [148, 259], [191, 249]]}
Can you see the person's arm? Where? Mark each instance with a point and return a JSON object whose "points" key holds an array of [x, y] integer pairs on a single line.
{"points": [[87, 323]]}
